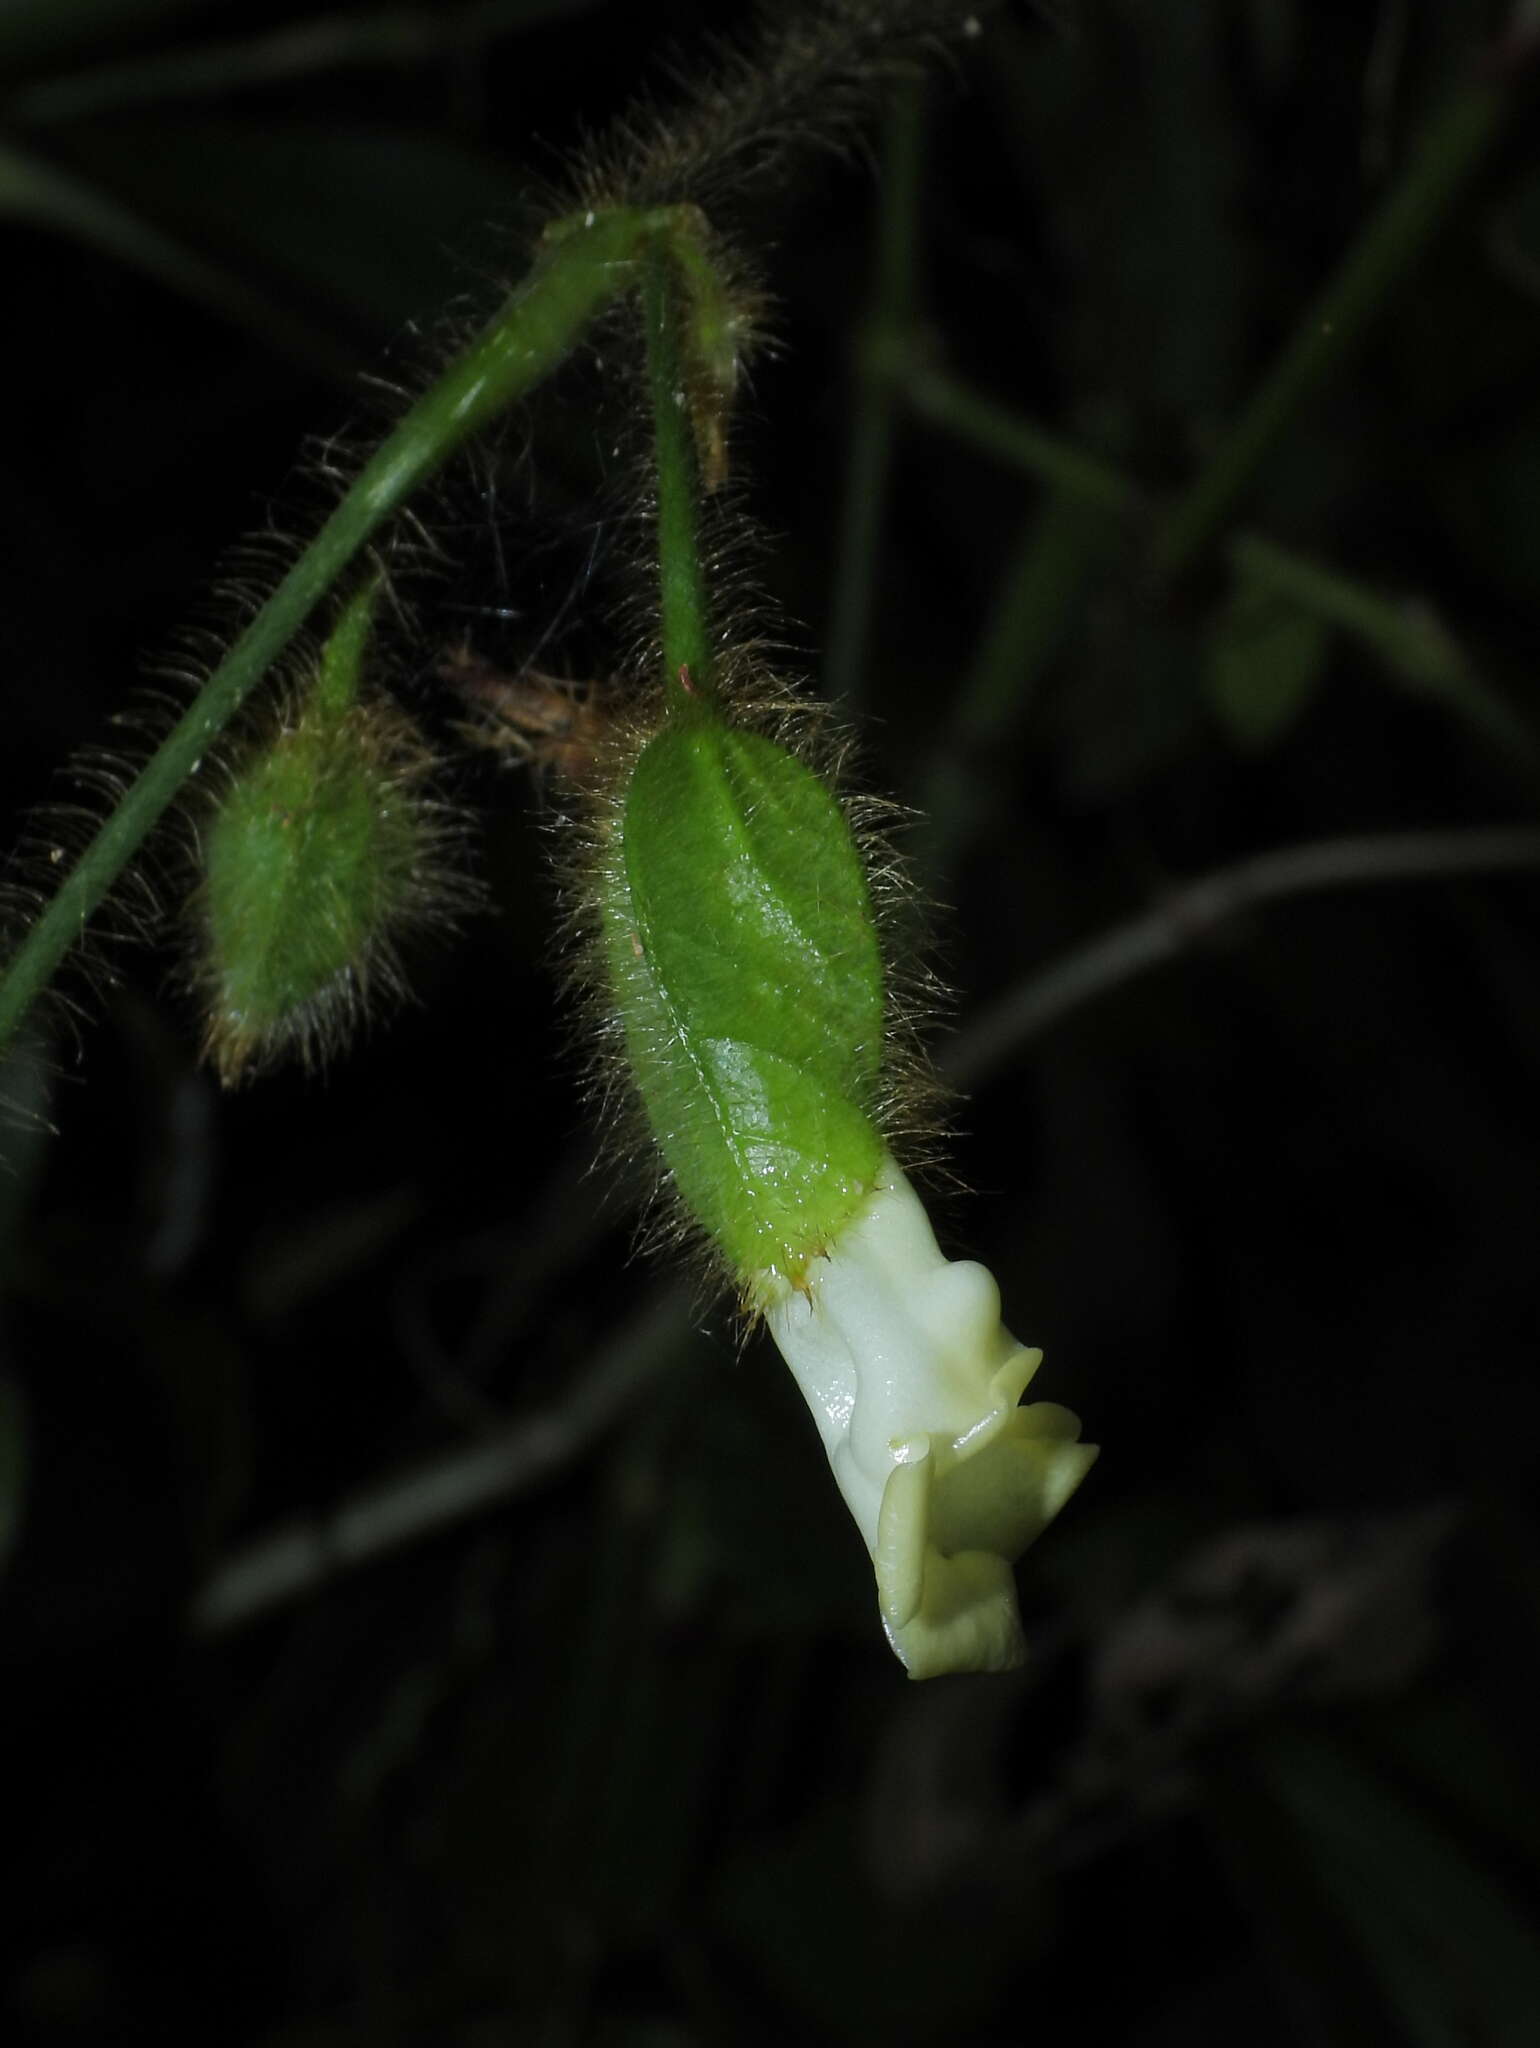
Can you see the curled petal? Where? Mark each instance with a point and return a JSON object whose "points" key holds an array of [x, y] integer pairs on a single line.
{"points": [[914, 1382]]}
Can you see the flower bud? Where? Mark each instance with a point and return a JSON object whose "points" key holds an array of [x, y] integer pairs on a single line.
{"points": [[325, 848]]}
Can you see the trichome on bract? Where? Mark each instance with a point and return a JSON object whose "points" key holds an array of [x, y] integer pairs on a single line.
{"points": [[326, 849]]}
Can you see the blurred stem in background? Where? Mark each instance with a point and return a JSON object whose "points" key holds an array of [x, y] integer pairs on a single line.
{"points": [[33, 190], [889, 322], [1065, 547], [1453, 1953], [1453, 152], [1409, 641], [1192, 911], [388, 38], [294, 1561], [1074, 537]]}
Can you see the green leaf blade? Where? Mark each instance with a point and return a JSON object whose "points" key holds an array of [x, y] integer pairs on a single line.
{"points": [[742, 948]]}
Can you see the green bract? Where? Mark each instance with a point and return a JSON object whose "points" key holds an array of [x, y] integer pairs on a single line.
{"points": [[313, 860], [747, 976]]}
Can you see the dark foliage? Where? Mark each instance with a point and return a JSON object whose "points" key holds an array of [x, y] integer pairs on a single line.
{"points": [[620, 1758]]}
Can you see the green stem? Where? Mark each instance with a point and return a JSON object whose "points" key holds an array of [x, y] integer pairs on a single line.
{"points": [[681, 584], [1453, 151], [1411, 644], [582, 264]]}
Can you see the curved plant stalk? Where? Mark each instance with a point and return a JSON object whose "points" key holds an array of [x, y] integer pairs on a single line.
{"points": [[581, 266]]}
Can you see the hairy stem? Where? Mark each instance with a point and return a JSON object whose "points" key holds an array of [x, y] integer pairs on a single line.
{"points": [[684, 624], [582, 264]]}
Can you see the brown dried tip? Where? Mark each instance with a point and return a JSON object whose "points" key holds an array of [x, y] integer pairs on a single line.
{"points": [[554, 723]]}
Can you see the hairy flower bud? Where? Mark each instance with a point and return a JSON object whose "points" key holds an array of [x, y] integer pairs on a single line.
{"points": [[324, 850]]}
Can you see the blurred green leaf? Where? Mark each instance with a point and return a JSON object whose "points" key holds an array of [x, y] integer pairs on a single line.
{"points": [[1412, 646], [1263, 666], [1456, 1958]]}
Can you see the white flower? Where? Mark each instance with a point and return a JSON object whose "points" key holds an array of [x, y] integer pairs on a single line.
{"points": [[914, 1383]]}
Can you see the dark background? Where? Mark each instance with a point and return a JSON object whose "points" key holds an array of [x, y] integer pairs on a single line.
{"points": [[621, 1757]]}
